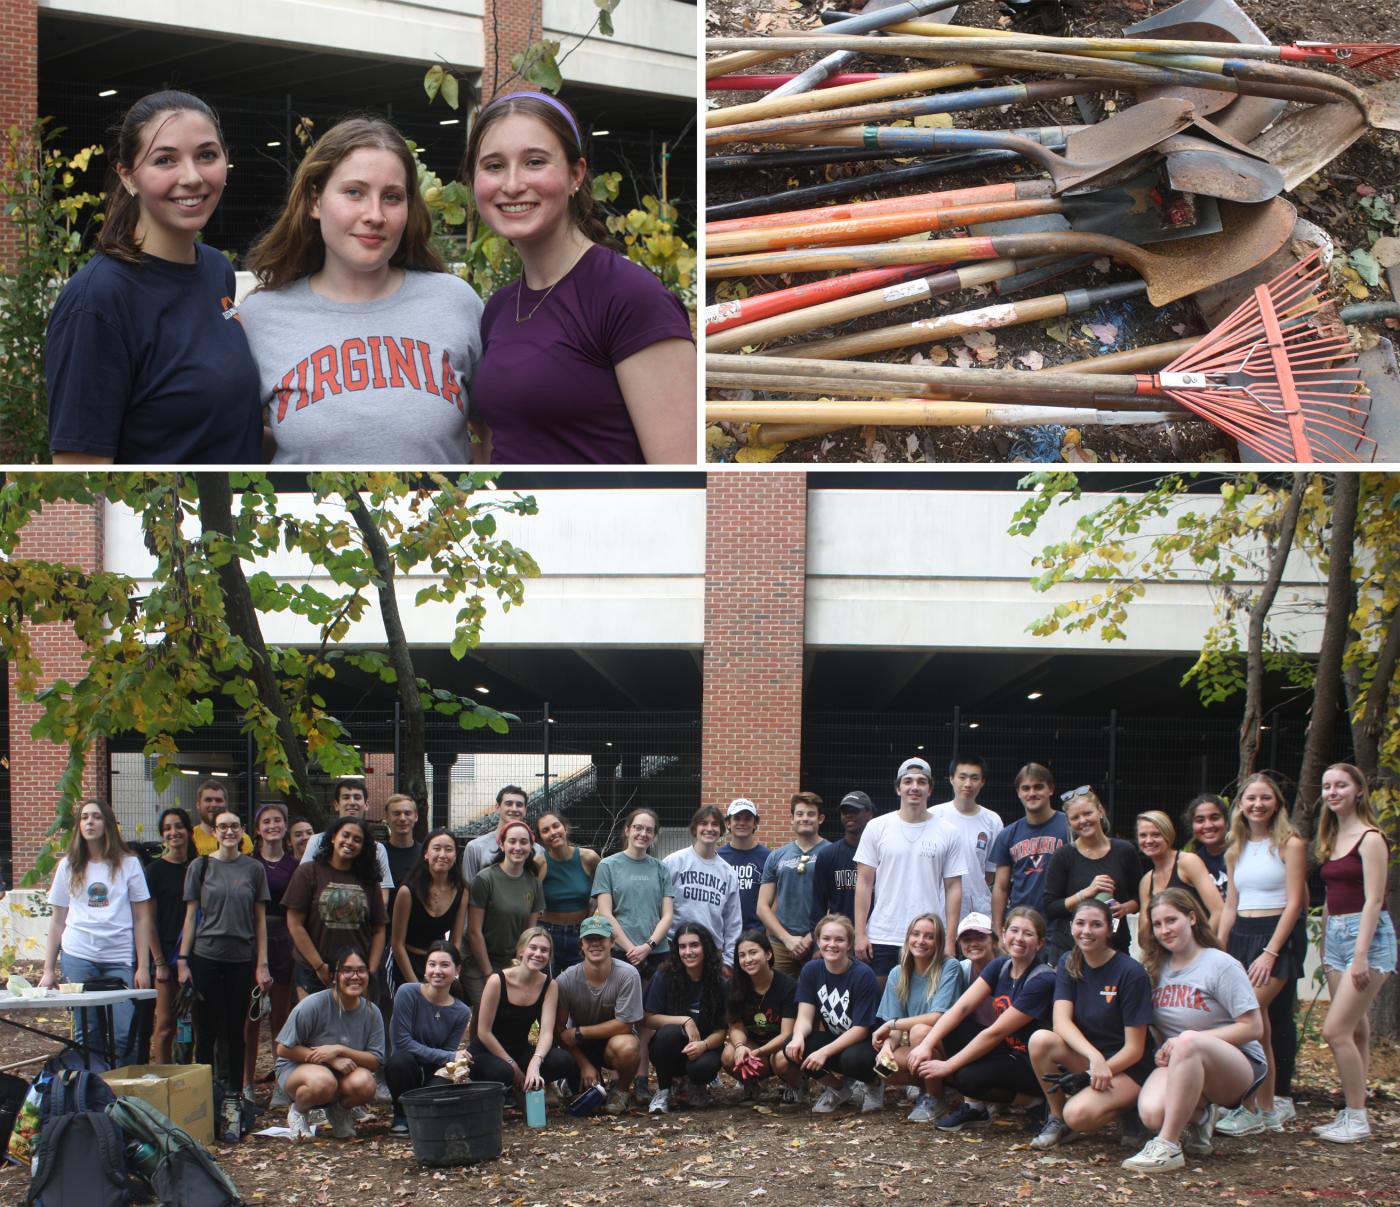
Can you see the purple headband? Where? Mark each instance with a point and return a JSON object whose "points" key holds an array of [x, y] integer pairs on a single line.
{"points": [[539, 96]]}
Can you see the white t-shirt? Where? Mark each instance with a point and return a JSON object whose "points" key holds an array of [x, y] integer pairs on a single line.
{"points": [[100, 926], [910, 860], [979, 831]]}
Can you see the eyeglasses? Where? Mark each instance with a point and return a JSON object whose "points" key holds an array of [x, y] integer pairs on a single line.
{"points": [[357, 973], [1082, 790], [231, 827]]}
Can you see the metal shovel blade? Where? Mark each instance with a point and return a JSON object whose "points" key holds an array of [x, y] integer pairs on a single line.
{"points": [[1196, 165], [1103, 149], [1251, 234], [1214, 21], [1307, 141]]}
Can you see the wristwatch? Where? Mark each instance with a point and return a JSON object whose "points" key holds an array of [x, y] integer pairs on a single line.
{"points": [[578, 1035]]}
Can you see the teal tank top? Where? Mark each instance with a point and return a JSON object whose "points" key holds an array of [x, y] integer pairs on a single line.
{"points": [[566, 885]]}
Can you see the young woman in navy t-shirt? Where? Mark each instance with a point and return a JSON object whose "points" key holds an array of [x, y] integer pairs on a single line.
{"points": [[990, 1064], [144, 361], [836, 1001], [1103, 1007]]}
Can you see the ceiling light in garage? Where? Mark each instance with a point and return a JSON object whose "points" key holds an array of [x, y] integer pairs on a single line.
{"points": [[1033, 695], [108, 92]]}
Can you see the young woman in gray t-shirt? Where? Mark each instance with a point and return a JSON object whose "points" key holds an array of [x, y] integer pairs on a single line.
{"points": [[1207, 1022]]}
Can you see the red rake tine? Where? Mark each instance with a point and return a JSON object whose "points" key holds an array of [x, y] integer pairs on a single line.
{"points": [[1379, 58]]}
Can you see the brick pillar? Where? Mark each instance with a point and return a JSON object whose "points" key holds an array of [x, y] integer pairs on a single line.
{"points": [[19, 87], [509, 26], [69, 533], [755, 617]]}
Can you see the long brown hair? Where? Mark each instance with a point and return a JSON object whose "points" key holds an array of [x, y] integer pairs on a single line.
{"points": [[1074, 962], [292, 247], [1154, 955], [112, 846], [1327, 820], [906, 962], [117, 235], [1280, 829], [581, 208]]}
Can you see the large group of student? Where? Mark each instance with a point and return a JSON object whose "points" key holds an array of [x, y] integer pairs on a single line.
{"points": [[968, 965]]}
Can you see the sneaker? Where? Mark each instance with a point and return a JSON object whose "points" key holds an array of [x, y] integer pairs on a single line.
{"points": [[556, 1093], [912, 1093], [399, 1127], [381, 1093], [298, 1124], [963, 1116], [927, 1109], [1284, 1109], [1273, 1119], [279, 1099], [316, 1117], [833, 1097], [1351, 1127], [1331, 1123], [1157, 1156], [874, 1096], [1054, 1133], [660, 1103], [790, 1096], [616, 1102], [641, 1092], [360, 1113], [752, 1091], [1035, 1118], [249, 1096], [1242, 1121], [1196, 1138], [342, 1122], [699, 1097]]}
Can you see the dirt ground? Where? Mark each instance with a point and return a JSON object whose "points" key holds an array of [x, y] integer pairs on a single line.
{"points": [[760, 1154], [1333, 200]]}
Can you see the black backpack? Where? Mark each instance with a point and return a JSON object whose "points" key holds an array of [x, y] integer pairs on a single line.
{"points": [[74, 1091], [80, 1158]]}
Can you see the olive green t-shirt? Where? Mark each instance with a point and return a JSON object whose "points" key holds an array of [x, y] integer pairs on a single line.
{"points": [[508, 901]]}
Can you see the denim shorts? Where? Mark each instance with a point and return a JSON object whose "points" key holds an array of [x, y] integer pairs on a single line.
{"points": [[1339, 945]]}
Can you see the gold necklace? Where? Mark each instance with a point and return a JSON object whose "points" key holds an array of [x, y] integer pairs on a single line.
{"points": [[547, 292]]}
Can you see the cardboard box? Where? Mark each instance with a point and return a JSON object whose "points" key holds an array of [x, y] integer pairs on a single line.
{"points": [[184, 1093]]}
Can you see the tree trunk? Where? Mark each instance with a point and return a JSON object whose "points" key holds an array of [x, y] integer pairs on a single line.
{"points": [[412, 775], [216, 515], [1258, 615], [1366, 733], [1335, 625]]}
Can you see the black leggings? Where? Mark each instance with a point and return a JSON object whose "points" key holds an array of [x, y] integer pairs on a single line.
{"points": [[997, 1077], [220, 1010], [403, 1072], [487, 1066], [856, 1061], [1283, 1037], [669, 1060]]}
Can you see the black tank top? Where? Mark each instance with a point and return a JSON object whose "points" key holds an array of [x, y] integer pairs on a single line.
{"points": [[513, 1023], [423, 928]]}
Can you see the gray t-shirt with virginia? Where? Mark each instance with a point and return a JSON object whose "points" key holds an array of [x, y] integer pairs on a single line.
{"points": [[1212, 991], [318, 1019], [367, 383], [227, 891], [620, 996]]}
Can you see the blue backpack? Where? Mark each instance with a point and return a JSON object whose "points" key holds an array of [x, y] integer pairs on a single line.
{"points": [[80, 1158]]}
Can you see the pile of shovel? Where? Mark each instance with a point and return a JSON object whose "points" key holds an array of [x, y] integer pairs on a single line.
{"points": [[1183, 183]]}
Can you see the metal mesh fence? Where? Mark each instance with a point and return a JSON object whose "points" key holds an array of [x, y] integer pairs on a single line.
{"points": [[593, 766], [1133, 763]]}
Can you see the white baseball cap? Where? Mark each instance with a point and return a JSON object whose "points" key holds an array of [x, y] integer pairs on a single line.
{"points": [[975, 922], [913, 765], [741, 804]]}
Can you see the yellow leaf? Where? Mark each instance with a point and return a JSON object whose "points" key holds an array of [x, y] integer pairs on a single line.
{"points": [[752, 454], [942, 121]]}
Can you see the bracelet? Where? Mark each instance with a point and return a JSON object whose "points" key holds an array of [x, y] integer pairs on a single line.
{"points": [[1267, 952], [186, 959]]}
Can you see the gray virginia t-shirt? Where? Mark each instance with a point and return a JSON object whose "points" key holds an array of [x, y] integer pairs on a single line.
{"points": [[226, 896], [367, 383], [1212, 991], [318, 1019], [620, 996]]}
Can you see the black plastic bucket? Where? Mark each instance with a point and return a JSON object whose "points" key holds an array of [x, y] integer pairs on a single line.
{"points": [[455, 1124]]}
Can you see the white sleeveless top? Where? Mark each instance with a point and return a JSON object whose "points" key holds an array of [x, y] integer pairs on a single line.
{"points": [[1260, 878]]}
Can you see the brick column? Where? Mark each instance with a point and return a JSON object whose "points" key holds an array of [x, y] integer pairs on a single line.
{"points": [[508, 26], [755, 617], [69, 533], [19, 87]]}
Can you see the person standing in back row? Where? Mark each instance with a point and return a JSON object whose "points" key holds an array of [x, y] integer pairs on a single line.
{"points": [[979, 827], [1023, 850], [915, 863], [351, 800], [834, 889], [706, 888], [785, 896], [512, 804], [746, 855]]}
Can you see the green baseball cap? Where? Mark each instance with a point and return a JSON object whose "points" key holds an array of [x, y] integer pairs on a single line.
{"points": [[595, 926]]}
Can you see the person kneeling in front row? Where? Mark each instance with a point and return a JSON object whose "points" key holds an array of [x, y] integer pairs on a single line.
{"points": [[330, 1048], [430, 1026]]}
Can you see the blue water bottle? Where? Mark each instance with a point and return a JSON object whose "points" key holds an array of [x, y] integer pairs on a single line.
{"points": [[534, 1108]]}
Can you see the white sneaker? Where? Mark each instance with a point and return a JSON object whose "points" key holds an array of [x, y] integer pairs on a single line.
{"points": [[1284, 1109], [1351, 1127], [1157, 1156], [927, 1109], [1196, 1138], [381, 1092], [832, 1097], [912, 1093], [660, 1103], [874, 1095], [279, 1099], [342, 1122], [1241, 1121], [1331, 1123], [297, 1123]]}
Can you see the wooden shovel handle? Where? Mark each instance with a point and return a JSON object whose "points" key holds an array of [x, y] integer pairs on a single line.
{"points": [[1010, 191], [850, 94]]}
